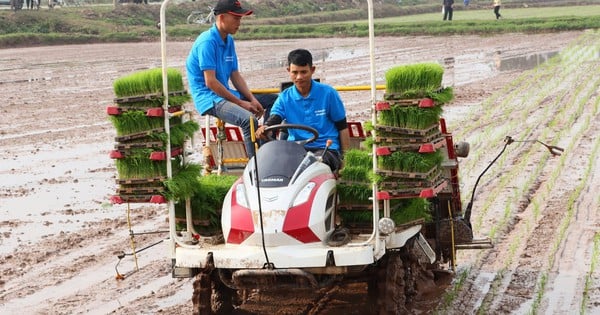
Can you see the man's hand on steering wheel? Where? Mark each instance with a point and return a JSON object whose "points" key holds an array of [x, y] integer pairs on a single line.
{"points": [[260, 133]]}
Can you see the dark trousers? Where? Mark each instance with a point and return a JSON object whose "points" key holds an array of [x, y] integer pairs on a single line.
{"points": [[448, 13], [332, 158], [497, 12]]}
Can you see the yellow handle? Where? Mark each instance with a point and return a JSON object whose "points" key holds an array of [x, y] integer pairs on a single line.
{"points": [[252, 136], [338, 88]]}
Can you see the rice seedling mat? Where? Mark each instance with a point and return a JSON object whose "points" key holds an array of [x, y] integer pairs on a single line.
{"points": [[417, 192], [431, 130], [139, 181], [413, 144], [397, 100], [138, 145], [416, 175], [154, 156], [355, 207], [146, 97], [118, 199], [136, 190], [150, 111], [139, 135], [428, 181]]}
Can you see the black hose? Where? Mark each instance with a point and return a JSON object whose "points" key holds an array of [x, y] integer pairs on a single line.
{"points": [[268, 264], [467, 215]]}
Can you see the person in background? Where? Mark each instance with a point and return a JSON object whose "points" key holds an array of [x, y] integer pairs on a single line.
{"points": [[496, 5], [212, 63], [448, 9], [313, 104]]}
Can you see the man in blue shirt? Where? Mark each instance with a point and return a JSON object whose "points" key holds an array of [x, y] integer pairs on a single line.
{"points": [[313, 104], [212, 63]]}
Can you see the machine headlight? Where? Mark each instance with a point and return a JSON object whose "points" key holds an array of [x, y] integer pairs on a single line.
{"points": [[386, 226], [240, 196], [304, 194]]}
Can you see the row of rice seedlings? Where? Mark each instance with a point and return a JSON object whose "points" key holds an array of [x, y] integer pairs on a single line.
{"points": [[589, 277], [138, 165], [571, 207], [492, 107], [550, 183], [207, 205], [184, 183], [179, 133], [401, 161], [524, 81], [150, 82], [135, 121], [516, 169], [410, 117], [420, 76], [557, 116]]}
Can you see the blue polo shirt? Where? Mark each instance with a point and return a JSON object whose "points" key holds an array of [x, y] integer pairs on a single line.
{"points": [[320, 110], [210, 52]]}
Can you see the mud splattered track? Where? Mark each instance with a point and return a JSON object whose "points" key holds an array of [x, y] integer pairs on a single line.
{"points": [[60, 236]]}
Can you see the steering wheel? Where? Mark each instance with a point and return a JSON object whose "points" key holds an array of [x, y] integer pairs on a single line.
{"points": [[315, 133]]}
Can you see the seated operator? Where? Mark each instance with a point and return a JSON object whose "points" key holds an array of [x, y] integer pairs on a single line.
{"points": [[313, 104]]}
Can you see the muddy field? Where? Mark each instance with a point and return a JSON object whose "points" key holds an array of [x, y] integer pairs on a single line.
{"points": [[60, 237]]}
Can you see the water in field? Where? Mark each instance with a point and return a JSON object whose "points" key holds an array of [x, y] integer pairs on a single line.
{"points": [[524, 62]]}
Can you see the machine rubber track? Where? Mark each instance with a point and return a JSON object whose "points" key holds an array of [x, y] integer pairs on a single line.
{"points": [[202, 294]]}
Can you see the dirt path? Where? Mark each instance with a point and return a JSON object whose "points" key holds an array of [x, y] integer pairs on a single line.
{"points": [[60, 236]]}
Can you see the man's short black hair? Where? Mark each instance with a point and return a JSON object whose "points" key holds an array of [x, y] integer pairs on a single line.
{"points": [[300, 57]]}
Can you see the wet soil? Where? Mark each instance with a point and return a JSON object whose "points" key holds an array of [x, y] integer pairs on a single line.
{"points": [[61, 238]]}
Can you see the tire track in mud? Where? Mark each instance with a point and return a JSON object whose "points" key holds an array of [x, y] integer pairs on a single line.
{"points": [[520, 281], [67, 261]]}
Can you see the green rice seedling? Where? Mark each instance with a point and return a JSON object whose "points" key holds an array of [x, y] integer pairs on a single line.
{"points": [[439, 95], [411, 117], [402, 211], [355, 174], [359, 158], [179, 133], [421, 76], [355, 193], [368, 143], [150, 82], [354, 217], [206, 220], [406, 210], [135, 121], [410, 161], [368, 126], [184, 183], [137, 165], [207, 204]]}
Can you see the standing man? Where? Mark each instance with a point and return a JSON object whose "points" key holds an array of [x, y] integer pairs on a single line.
{"points": [[448, 8], [496, 6], [212, 63], [313, 104]]}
